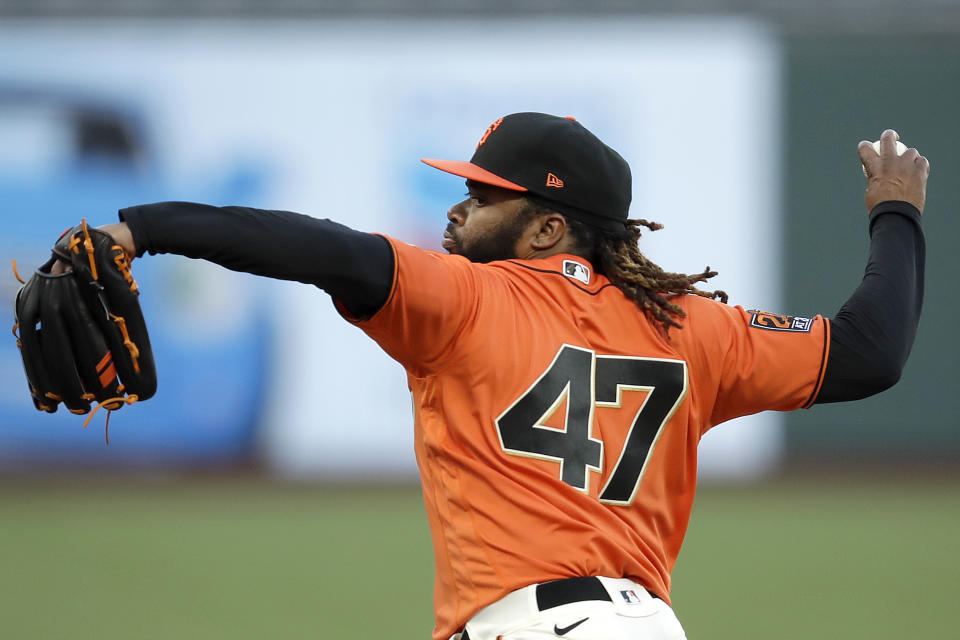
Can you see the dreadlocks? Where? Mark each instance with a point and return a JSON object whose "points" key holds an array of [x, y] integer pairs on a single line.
{"points": [[616, 255]]}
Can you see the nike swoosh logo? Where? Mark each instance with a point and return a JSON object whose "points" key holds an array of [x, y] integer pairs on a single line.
{"points": [[565, 630]]}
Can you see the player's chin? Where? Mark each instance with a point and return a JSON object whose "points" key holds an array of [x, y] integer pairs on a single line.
{"points": [[449, 245]]}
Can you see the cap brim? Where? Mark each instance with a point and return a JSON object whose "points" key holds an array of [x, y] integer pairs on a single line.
{"points": [[471, 171]]}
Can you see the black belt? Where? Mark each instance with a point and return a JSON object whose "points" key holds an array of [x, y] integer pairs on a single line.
{"points": [[558, 592]]}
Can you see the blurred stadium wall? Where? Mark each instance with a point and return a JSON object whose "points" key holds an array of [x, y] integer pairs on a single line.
{"points": [[786, 89]]}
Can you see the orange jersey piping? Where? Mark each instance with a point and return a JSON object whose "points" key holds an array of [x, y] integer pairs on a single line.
{"points": [[823, 364]]}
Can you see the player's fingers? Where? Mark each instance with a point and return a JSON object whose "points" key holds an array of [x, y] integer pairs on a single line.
{"points": [[868, 157], [888, 142], [924, 169]]}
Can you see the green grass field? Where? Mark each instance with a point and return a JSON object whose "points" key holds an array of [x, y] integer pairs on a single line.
{"points": [[242, 558]]}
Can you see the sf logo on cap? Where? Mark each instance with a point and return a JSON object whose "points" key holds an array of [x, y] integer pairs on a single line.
{"points": [[490, 129]]}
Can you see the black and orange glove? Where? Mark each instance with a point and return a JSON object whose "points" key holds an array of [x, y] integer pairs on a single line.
{"points": [[81, 333]]}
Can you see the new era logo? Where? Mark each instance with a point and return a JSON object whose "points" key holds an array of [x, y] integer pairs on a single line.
{"points": [[554, 181]]}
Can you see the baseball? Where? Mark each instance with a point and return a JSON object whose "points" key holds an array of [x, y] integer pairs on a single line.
{"points": [[900, 147]]}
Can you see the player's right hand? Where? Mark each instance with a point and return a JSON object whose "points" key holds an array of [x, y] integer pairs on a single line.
{"points": [[893, 177]]}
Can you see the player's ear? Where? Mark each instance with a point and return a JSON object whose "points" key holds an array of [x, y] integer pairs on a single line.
{"points": [[551, 228]]}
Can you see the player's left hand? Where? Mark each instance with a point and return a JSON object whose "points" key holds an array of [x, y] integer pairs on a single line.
{"points": [[893, 177]]}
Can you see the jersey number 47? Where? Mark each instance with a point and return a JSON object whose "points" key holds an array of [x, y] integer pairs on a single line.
{"points": [[587, 380]]}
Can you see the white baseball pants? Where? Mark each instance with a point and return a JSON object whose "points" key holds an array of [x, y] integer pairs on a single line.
{"points": [[628, 612]]}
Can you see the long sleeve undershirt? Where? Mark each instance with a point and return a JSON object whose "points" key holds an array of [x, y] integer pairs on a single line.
{"points": [[355, 268], [870, 336]]}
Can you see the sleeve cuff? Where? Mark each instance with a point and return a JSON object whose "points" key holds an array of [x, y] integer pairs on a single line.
{"points": [[901, 207], [134, 219]]}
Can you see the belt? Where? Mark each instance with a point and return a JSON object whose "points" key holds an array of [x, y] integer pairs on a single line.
{"points": [[559, 592]]}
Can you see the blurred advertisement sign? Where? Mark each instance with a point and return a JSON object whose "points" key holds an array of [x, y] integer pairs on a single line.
{"points": [[341, 111], [69, 154]]}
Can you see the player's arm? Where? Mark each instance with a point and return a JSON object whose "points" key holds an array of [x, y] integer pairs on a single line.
{"points": [[872, 334], [414, 303], [751, 365], [355, 268]]}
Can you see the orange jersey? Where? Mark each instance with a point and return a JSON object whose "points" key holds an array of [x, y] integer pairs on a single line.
{"points": [[557, 425]]}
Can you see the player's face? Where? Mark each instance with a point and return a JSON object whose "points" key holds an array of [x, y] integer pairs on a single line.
{"points": [[489, 225]]}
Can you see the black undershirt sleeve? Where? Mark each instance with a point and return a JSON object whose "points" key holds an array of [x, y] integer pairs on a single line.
{"points": [[355, 268], [872, 334], [870, 339]]}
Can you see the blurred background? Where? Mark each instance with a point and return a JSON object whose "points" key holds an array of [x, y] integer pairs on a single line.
{"points": [[270, 488]]}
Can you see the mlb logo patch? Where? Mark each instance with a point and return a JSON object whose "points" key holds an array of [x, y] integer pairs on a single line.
{"points": [[577, 271], [630, 596]]}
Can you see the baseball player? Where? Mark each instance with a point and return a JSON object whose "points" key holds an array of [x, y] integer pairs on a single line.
{"points": [[561, 380]]}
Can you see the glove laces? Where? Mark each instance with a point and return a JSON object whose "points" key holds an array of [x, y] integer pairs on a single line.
{"points": [[115, 403], [16, 274]]}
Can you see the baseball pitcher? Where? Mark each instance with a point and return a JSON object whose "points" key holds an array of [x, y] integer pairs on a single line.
{"points": [[561, 380]]}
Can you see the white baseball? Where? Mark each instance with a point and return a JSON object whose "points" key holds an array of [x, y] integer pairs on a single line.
{"points": [[900, 147]]}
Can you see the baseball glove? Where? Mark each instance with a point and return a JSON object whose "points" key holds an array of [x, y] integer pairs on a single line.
{"points": [[81, 335]]}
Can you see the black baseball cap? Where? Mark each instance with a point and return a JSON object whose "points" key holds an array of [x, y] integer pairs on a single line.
{"points": [[557, 161]]}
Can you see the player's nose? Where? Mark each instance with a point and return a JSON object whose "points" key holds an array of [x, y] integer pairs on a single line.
{"points": [[456, 214]]}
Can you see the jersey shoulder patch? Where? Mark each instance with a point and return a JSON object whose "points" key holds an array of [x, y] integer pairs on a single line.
{"points": [[577, 271], [779, 322]]}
